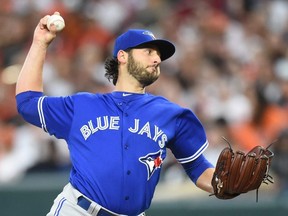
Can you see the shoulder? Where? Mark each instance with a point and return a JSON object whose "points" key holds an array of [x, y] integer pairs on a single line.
{"points": [[163, 102], [167, 106], [183, 114], [89, 96]]}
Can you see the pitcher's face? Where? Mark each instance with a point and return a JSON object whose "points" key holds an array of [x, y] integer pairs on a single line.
{"points": [[144, 65]]}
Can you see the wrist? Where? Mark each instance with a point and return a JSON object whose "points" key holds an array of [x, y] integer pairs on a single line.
{"points": [[39, 46]]}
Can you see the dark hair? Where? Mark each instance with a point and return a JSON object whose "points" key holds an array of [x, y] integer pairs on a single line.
{"points": [[111, 68]]}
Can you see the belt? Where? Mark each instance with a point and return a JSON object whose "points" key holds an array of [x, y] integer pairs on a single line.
{"points": [[85, 204]]}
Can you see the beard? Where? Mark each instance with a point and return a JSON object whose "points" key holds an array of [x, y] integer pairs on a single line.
{"points": [[141, 73]]}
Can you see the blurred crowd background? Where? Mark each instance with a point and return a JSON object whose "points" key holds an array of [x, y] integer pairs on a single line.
{"points": [[230, 68]]}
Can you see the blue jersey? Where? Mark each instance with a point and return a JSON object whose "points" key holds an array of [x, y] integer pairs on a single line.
{"points": [[118, 142]]}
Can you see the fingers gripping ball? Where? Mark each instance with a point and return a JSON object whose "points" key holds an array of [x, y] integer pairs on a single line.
{"points": [[57, 21]]}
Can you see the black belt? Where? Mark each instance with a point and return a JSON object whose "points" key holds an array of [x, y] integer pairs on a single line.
{"points": [[85, 204]]}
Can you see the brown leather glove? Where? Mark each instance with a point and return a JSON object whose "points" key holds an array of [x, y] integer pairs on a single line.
{"points": [[237, 172]]}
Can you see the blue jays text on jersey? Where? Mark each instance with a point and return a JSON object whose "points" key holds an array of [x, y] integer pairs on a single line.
{"points": [[118, 141], [112, 123]]}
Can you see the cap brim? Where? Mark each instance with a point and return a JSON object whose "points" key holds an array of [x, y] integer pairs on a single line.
{"points": [[166, 48]]}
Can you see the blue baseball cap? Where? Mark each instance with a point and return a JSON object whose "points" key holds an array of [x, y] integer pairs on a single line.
{"points": [[134, 38]]}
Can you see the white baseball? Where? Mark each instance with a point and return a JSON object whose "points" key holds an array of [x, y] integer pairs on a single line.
{"points": [[57, 20]]}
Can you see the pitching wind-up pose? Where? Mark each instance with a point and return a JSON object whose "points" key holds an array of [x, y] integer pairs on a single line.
{"points": [[118, 140]]}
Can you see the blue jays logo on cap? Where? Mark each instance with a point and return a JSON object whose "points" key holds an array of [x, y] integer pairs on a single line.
{"points": [[149, 33], [153, 161], [134, 38]]}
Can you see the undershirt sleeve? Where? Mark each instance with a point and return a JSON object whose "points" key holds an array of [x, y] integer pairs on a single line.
{"points": [[195, 168]]}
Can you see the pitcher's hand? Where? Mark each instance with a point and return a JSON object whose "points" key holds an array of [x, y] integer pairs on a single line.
{"points": [[42, 35]]}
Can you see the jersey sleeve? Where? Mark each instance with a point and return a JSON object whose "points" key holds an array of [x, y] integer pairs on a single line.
{"points": [[189, 144], [53, 114], [190, 138]]}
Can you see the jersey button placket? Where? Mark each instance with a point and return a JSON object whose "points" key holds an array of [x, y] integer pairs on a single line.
{"points": [[126, 148]]}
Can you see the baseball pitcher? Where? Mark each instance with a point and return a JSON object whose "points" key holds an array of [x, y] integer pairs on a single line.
{"points": [[117, 141]]}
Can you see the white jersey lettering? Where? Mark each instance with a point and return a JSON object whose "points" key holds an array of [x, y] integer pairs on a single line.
{"points": [[136, 126], [86, 132], [105, 126], [158, 133], [101, 123], [146, 129], [114, 123]]}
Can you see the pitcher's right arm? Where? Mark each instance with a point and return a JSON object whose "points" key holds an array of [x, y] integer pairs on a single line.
{"points": [[30, 76]]}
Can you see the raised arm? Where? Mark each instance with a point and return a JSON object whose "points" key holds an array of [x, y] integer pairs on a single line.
{"points": [[30, 77]]}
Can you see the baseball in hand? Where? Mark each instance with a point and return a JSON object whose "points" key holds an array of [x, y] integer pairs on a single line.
{"points": [[57, 20]]}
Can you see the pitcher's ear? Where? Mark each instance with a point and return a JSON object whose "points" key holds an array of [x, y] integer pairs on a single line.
{"points": [[122, 56]]}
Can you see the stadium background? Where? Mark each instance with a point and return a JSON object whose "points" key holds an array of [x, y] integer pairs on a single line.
{"points": [[230, 68]]}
